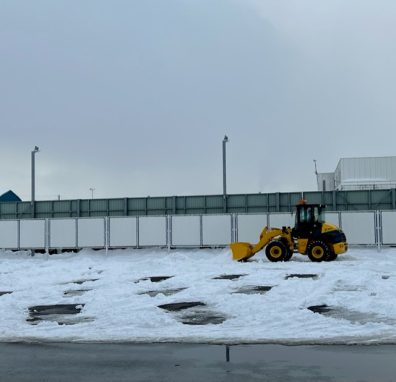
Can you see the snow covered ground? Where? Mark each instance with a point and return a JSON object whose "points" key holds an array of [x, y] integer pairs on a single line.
{"points": [[119, 302]]}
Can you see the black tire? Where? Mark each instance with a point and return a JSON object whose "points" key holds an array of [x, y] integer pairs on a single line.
{"points": [[276, 251], [331, 257], [289, 255], [318, 251]]}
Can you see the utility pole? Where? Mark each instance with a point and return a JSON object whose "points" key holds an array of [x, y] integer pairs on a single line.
{"points": [[33, 180], [225, 140], [92, 192], [316, 173]]}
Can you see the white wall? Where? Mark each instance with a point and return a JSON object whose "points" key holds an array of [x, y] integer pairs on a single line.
{"points": [[91, 232], [389, 227], [62, 233], [152, 231], [279, 220], [8, 234], [216, 229], [250, 227], [359, 227], [123, 231], [32, 233], [191, 230], [186, 230]]}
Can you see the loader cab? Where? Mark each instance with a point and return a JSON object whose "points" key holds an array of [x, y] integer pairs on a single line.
{"points": [[309, 219]]}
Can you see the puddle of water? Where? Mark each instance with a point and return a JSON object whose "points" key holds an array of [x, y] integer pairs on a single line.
{"points": [[60, 313], [75, 292], [201, 317], [228, 277], [154, 279], [60, 319], [254, 289], [302, 276], [165, 292], [350, 315], [42, 310], [176, 307], [79, 282], [5, 292], [320, 308], [194, 313]]}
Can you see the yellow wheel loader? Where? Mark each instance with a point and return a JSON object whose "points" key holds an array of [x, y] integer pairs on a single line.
{"points": [[310, 236]]}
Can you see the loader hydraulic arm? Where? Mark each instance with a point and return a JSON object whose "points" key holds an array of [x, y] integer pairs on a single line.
{"points": [[243, 251]]}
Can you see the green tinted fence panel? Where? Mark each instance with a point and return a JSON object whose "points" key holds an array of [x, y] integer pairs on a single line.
{"points": [[216, 202], [201, 204], [8, 208]]}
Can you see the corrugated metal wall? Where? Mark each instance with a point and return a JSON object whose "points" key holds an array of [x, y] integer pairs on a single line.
{"points": [[365, 173], [203, 204]]}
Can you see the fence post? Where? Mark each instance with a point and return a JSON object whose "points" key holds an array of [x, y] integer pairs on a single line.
{"points": [[201, 231], [234, 229], [76, 225], [47, 237], [19, 234], [137, 231], [378, 226], [107, 233], [169, 231]]}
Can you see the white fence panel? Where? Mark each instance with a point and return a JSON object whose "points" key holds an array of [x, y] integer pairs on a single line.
{"points": [[281, 220], [32, 233], [186, 230], [250, 227], [152, 231], [216, 229], [359, 227], [389, 227], [62, 233], [9, 234], [91, 232], [123, 232], [332, 218]]}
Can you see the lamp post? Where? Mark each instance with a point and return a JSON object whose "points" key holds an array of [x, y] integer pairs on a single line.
{"points": [[225, 140], [92, 192], [34, 152]]}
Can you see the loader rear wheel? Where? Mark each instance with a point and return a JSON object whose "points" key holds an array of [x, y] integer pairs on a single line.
{"points": [[276, 251], [318, 251]]}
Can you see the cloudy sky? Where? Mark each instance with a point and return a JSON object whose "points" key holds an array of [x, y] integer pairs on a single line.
{"points": [[133, 97]]}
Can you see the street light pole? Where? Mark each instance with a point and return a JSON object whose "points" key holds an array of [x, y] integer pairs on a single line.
{"points": [[92, 192], [225, 140], [34, 152]]}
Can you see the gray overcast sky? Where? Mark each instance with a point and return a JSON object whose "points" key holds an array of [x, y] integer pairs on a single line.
{"points": [[133, 98]]}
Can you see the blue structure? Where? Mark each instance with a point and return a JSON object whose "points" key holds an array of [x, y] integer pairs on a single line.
{"points": [[10, 196]]}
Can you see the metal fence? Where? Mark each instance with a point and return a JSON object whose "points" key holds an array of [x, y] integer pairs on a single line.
{"points": [[202, 204], [375, 228]]}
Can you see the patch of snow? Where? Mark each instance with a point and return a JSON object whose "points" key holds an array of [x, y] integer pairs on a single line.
{"points": [[115, 307]]}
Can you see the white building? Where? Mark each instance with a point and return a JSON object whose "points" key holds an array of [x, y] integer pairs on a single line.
{"points": [[360, 174]]}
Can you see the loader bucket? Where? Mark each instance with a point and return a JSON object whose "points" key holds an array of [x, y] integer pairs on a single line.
{"points": [[241, 251]]}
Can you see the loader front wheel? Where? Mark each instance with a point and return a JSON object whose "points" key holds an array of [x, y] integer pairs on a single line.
{"points": [[318, 251], [332, 256], [289, 254], [276, 251]]}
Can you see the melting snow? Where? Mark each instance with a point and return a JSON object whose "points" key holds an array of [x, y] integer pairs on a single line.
{"points": [[359, 287]]}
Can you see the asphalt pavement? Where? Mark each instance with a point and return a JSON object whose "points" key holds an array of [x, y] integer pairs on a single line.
{"points": [[191, 362]]}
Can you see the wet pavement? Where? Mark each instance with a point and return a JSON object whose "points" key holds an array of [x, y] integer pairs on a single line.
{"points": [[187, 362]]}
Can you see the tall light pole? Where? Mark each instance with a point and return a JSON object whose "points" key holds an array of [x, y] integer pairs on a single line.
{"points": [[92, 191], [225, 140], [34, 152]]}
